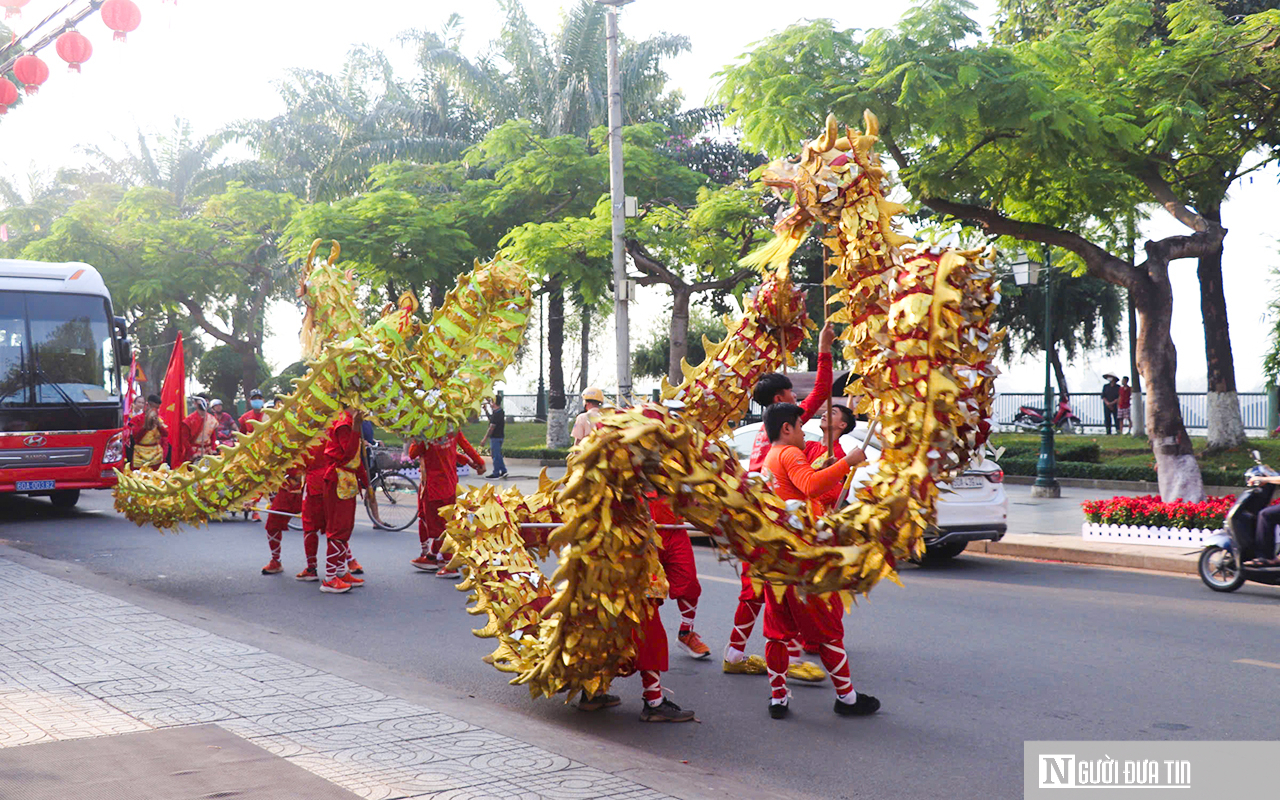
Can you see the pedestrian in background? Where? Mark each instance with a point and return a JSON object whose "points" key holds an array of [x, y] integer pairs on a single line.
{"points": [[1110, 403], [1122, 407], [496, 433], [592, 400]]}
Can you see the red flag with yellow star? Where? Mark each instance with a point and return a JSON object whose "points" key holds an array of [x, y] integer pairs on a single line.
{"points": [[173, 400]]}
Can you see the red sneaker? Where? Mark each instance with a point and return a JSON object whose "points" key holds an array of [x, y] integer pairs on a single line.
{"points": [[256, 518], [273, 568], [308, 574], [425, 563], [335, 586], [354, 568], [445, 572], [352, 580]]}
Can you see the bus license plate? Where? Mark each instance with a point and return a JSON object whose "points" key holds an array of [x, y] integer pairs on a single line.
{"points": [[34, 486], [967, 482]]}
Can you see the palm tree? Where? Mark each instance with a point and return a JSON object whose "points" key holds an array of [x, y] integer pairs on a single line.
{"points": [[338, 126], [177, 162], [560, 82]]}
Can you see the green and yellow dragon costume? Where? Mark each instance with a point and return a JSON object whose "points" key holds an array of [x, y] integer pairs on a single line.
{"points": [[917, 330]]}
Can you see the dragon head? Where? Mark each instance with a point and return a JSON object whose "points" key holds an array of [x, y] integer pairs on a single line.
{"points": [[832, 173]]}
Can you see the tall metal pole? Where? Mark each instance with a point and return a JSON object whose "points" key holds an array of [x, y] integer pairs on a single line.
{"points": [[1046, 484], [617, 197]]}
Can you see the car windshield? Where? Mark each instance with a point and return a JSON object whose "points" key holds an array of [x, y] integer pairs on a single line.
{"points": [[56, 349]]}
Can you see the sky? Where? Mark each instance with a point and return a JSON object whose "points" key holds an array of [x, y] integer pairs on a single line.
{"points": [[215, 62]]}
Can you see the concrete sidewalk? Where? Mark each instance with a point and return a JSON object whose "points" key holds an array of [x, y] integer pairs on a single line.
{"points": [[78, 663]]}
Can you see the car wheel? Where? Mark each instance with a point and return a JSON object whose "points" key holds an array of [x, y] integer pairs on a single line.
{"points": [[65, 498], [938, 553]]}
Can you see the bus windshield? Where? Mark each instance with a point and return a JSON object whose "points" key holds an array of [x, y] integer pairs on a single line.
{"points": [[56, 349]]}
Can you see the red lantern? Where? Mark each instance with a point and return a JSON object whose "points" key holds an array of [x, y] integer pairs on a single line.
{"points": [[13, 8], [8, 95], [74, 49], [31, 71], [121, 16]]}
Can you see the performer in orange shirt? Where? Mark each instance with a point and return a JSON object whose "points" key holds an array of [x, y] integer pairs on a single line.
{"points": [[769, 389], [815, 620], [437, 488]]}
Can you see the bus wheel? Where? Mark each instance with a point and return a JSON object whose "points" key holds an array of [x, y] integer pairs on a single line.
{"points": [[64, 498]]}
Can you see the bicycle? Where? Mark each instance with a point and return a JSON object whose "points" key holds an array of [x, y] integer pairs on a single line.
{"points": [[391, 501]]}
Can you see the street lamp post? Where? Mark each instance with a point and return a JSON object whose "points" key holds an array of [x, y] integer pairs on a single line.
{"points": [[1025, 273], [617, 199]]}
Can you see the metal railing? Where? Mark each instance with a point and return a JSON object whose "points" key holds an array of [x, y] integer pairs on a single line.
{"points": [[1254, 409]]}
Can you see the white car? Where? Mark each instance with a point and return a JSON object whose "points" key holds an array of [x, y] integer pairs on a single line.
{"points": [[974, 507]]}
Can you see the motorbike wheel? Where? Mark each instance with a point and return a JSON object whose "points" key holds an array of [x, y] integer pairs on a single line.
{"points": [[1220, 570], [1067, 427]]}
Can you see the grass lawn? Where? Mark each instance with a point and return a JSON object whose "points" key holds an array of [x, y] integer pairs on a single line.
{"points": [[1126, 451], [519, 434]]}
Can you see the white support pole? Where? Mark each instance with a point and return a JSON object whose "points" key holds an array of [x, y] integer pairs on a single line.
{"points": [[617, 198]]}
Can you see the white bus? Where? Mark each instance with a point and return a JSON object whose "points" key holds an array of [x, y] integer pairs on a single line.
{"points": [[62, 351]]}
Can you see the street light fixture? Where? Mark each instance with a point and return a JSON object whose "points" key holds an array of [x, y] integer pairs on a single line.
{"points": [[1026, 272]]}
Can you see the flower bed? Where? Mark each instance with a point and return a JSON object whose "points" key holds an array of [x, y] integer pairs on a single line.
{"points": [[1147, 520], [1148, 511]]}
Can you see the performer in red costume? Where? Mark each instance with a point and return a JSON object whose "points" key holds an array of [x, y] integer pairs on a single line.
{"points": [[437, 488], [682, 576], [788, 617], [288, 500], [651, 651], [247, 420], [769, 389], [313, 468], [344, 477], [255, 413]]}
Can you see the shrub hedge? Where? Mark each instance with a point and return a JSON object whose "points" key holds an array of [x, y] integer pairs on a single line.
{"points": [[1083, 452], [542, 453], [1076, 469]]}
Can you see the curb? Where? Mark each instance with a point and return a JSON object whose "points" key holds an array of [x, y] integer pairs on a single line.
{"points": [[1179, 564], [1101, 483]]}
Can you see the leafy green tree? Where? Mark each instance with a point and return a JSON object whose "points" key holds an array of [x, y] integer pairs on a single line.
{"points": [[1203, 174], [652, 359], [1041, 140], [560, 186], [394, 238], [1087, 314], [222, 371], [282, 384], [218, 267]]}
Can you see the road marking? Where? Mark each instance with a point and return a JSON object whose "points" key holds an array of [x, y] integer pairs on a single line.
{"points": [[1256, 663], [718, 579]]}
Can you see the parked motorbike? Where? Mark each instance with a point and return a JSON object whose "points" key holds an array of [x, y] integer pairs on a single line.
{"points": [[1222, 562], [1031, 419]]}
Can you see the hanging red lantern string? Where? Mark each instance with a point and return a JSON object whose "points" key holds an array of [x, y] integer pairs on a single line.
{"points": [[74, 49], [13, 8], [31, 71], [121, 16], [8, 95]]}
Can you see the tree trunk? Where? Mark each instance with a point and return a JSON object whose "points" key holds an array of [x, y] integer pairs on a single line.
{"points": [[678, 333], [1058, 374], [557, 416], [1137, 414], [585, 351], [1226, 428], [1176, 466]]}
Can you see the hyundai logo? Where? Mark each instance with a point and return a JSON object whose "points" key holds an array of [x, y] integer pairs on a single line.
{"points": [[35, 441]]}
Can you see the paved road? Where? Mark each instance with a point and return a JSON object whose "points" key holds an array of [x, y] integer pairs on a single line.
{"points": [[970, 659]]}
